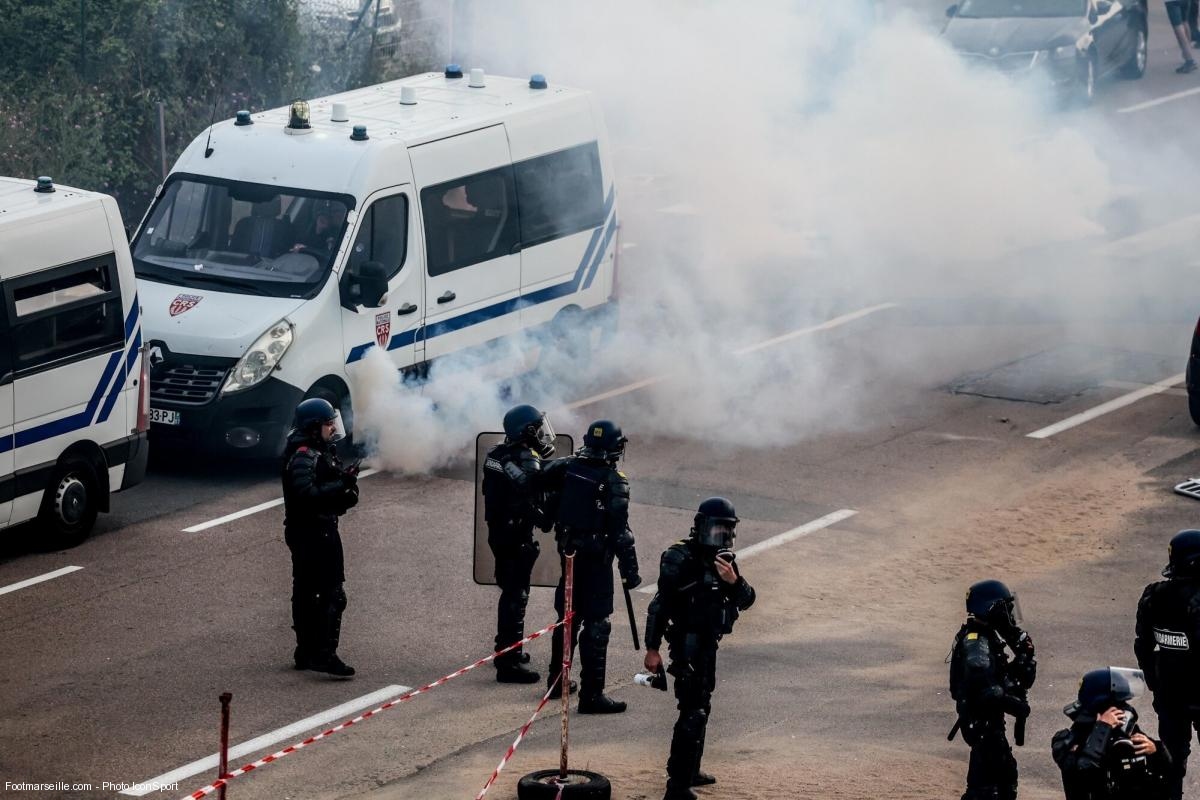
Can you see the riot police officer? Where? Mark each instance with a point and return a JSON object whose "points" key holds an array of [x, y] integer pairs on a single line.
{"points": [[1168, 638], [317, 489], [700, 594], [512, 497], [1104, 755], [986, 684], [589, 499]]}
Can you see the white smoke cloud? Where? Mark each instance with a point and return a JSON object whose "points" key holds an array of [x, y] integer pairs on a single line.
{"points": [[778, 163]]}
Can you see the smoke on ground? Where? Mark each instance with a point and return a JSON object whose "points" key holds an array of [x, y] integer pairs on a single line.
{"points": [[778, 164]]}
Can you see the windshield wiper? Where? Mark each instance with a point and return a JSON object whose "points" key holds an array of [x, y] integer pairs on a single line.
{"points": [[200, 278]]}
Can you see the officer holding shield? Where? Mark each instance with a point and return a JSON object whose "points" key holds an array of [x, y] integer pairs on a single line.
{"points": [[513, 500]]}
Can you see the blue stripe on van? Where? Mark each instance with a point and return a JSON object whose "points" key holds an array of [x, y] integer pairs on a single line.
{"points": [[83, 419], [585, 273]]}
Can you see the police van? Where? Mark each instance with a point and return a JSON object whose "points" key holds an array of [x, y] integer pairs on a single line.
{"points": [[74, 399], [423, 217]]}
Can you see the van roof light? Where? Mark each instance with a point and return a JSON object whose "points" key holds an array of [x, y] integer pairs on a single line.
{"points": [[243, 118], [537, 81], [339, 113], [45, 184], [360, 133], [408, 95], [477, 80], [298, 119], [453, 71]]}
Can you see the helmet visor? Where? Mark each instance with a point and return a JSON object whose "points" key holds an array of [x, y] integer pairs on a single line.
{"points": [[1127, 684], [1018, 618], [545, 437], [718, 533], [339, 429]]}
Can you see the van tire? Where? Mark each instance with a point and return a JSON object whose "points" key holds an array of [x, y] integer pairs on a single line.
{"points": [[1194, 406], [71, 503]]}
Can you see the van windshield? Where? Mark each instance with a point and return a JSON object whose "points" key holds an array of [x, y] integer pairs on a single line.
{"points": [[241, 237]]}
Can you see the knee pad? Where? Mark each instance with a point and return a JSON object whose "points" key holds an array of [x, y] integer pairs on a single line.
{"points": [[596, 631], [694, 721]]}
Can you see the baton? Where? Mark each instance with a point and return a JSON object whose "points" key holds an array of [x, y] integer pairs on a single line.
{"points": [[954, 731], [637, 645], [1019, 732]]}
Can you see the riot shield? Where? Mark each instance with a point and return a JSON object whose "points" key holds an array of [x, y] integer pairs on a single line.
{"points": [[546, 571]]}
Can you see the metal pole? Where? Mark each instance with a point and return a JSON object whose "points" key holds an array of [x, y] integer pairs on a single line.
{"points": [[223, 767], [162, 137], [565, 674]]}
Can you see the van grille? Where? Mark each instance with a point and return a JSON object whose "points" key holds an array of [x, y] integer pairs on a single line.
{"points": [[187, 384]]}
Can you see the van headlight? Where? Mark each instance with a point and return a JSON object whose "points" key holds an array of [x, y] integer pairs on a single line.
{"points": [[261, 359]]}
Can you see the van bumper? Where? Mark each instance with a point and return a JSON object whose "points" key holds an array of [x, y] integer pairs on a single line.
{"points": [[136, 452], [248, 424]]}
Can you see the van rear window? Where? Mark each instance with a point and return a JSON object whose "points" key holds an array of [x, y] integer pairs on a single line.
{"points": [[560, 194], [470, 220]]}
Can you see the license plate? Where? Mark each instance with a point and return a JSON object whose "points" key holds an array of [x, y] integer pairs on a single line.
{"points": [[164, 416]]}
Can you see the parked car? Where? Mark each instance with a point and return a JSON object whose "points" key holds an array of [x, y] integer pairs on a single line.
{"points": [[1071, 43]]}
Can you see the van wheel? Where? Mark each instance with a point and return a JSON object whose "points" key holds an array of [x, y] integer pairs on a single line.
{"points": [[71, 503], [1135, 68], [342, 404]]}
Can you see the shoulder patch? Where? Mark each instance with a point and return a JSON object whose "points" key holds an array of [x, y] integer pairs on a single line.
{"points": [[623, 475], [972, 636], [302, 448], [535, 453]]}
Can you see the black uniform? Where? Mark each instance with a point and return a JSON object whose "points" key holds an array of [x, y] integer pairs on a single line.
{"points": [[986, 685], [1168, 635], [512, 477], [1098, 763], [589, 501], [316, 491], [693, 608]]}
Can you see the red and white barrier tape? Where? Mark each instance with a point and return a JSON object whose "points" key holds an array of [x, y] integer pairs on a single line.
{"points": [[512, 748], [217, 784]]}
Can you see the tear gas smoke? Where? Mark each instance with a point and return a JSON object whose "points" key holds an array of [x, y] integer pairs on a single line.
{"points": [[778, 164]]}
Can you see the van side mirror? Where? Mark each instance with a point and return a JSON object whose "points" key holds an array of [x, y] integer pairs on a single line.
{"points": [[952, 10]]}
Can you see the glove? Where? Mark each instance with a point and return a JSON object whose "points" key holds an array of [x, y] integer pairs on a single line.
{"points": [[1016, 706], [351, 496], [632, 582]]}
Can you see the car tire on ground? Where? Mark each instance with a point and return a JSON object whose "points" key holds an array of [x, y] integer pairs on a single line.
{"points": [[1194, 406], [580, 784], [1135, 68], [71, 503]]}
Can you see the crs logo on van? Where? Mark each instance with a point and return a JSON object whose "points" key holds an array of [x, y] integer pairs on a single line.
{"points": [[184, 302], [383, 328]]}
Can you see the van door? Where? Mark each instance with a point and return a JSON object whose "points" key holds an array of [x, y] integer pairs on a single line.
{"points": [[472, 235], [7, 479], [383, 236]]}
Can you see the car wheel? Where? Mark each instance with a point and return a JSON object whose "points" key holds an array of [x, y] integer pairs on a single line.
{"points": [[580, 784], [1136, 66], [71, 503], [1194, 406]]}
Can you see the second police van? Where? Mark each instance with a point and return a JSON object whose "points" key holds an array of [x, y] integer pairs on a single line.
{"points": [[424, 217]]}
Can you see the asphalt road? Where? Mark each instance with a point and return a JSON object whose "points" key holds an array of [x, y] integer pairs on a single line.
{"points": [[832, 686]]}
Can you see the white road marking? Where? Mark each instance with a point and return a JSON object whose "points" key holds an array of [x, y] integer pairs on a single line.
{"points": [[1170, 98], [1135, 385], [12, 587], [1104, 408], [210, 763], [246, 512], [751, 348], [782, 538]]}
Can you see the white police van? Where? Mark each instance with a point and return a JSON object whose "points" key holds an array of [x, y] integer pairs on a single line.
{"points": [[74, 401], [424, 217]]}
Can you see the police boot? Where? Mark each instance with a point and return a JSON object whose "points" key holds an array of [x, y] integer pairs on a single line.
{"points": [[679, 793], [332, 665], [511, 669], [555, 687], [702, 778], [593, 656]]}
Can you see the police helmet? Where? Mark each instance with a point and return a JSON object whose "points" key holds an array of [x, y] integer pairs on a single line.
{"points": [[314, 412], [1184, 555], [603, 439], [994, 604], [1102, 689], [526, 424], [715, 523]]}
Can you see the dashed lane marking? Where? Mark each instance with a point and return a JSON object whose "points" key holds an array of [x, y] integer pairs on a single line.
{"points": [[210, 763], [1105, 408], [58, 573], [782, 538]]}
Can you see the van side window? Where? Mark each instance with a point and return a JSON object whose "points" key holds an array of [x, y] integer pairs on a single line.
{"points": [[560, 194], [383, 235], [469, 220], [65, 312]]}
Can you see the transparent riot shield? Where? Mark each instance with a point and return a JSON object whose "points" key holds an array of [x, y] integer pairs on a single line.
{"points": [[546, 571]]}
